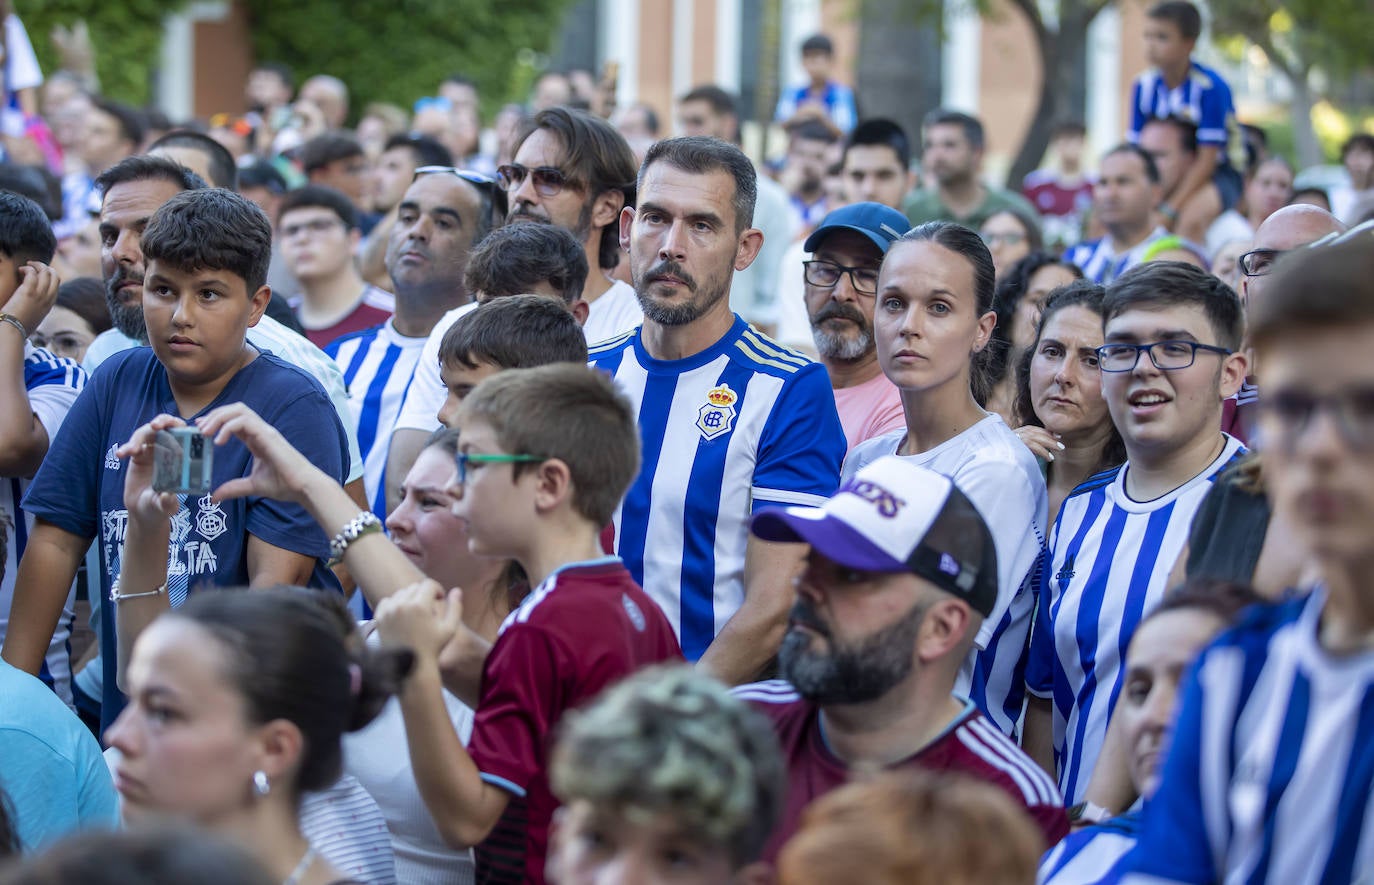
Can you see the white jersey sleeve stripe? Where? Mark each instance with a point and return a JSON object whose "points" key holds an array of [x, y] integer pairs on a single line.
{"points": [[782, 496]]}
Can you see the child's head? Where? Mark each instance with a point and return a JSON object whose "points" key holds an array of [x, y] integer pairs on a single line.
{"points": [[25, 235], [527, 259], [818, 56], [1171, 30], [666, 762], [205, 257], [512, 332], [1170, 397], [576, 441]]}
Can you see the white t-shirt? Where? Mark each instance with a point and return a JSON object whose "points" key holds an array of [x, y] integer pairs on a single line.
{"points": [[427, 390], [794, 324], [616, 312]]}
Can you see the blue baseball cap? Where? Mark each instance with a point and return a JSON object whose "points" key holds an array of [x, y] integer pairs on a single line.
{"points": [[883, 225]]}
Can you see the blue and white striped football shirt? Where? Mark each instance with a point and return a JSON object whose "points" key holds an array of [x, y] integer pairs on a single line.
{"points": [[1107, 567], [52, 383], [378, 366], [743, 424], [1101, 264], [991, 465], [1202, 99], [1270, 775], [1095, 855]]}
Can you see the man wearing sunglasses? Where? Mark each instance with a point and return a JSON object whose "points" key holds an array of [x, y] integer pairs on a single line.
{"points": [[841, 289], [1171, 355], [576, 171]]}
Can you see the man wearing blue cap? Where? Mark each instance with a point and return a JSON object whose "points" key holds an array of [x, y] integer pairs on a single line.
{"points": [[901, 573], [841, 289]]}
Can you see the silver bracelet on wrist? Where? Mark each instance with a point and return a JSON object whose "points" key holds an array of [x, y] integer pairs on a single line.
{"points": [[14, 321], [364, 523], [117, 597]]}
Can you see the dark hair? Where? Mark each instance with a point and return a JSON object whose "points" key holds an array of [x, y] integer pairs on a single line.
{"points": [[880, 132], [145, 168], [1358, 141], [85, 297], [261, 173], [811, 129], [290, 653], [1068, 129], [312, 196], [514, 332], [1034, 238], [818, 43], [1311, 192], [36, 183], [1011, 288], [1224, 599], [968, 245], [595, 156], [25, 231], [699, 155], [329, 147], [972, 126], [163, 855], [721, 102], [1184, 15], [425, 150], [1135, 150], [1187, 132], [131, 125], [1162, 284], [570, 412], [224, 172], [513, 259], [1079, 293], [1322, 287], [211, 229]]}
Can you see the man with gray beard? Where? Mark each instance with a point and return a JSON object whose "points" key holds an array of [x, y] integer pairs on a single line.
{"points": [[900, 574], [841, 292]]}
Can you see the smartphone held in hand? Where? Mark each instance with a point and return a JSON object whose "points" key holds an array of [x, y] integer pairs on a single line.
{"points": [[183, 461]]}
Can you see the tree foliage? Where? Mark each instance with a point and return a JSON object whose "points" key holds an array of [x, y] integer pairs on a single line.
{"points": [[398, 50], [127, 36], [1299, 35]]}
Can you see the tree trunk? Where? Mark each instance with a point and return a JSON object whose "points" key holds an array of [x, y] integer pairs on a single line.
{"points": [[898, 68], [1309, 151], [1063, 57]]}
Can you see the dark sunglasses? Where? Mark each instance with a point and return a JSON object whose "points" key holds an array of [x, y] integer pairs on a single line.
{"points": [[549, 181]]}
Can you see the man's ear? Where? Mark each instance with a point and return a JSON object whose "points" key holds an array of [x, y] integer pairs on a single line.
{"points": [[750, 242], [1233, 371], [627, 220], [259, 301], [946, 625], [580, 309], [606, 208], [554, 484]]}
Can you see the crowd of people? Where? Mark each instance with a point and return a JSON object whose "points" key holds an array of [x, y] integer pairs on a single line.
{"points": [[582, 504]]}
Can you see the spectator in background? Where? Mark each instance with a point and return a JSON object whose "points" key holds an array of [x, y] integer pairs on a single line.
{"points": [[78, 252], [1357, 156], [820, 96], [913, 828], [201, 154], [380, 122], [337, 160], [391, 175], [269, 88], [1021, 295], [330, 96], [79, 315], [318, 229], [1062, 192], [551, 90], [803, 170], [1124, 201], [638, 123], [1226, 262], [951, 160], [110, 132], [1268, 188], [461, 92], [710, 110], [1010, 236], [1311, 196]]}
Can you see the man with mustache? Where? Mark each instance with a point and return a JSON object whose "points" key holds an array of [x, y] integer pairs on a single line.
{"points": [[729, 419], [841, 289], [901, 572]]}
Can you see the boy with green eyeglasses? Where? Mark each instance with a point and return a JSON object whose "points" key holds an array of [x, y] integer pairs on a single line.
{"points": [[1171, 356]]}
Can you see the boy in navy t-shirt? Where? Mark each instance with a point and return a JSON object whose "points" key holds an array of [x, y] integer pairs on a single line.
{"points": [[206, 255]]}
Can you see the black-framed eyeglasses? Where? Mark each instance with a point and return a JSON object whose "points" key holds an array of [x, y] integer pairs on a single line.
{"points": [[1287, 415], [1166, 355], [1258, 262], [825, 274], [549, 181], [463, 459]]}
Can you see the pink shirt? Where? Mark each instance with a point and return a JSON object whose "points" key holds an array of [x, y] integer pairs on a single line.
{"points": [[869, 409]]}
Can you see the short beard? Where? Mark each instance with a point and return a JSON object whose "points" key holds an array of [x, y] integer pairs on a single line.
{"points": [[676, 314], [837, 346], [127, 318], [849, 674], [580, 232]]}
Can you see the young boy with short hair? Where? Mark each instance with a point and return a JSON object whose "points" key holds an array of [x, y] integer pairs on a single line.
{"points": [[509, 332], [1172, 355], [544, 458], [1177, 86], [680, 779], [206, 254], [37, 390]]}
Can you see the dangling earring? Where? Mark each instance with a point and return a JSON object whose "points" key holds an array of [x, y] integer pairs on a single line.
{"points": [[261, 785]]}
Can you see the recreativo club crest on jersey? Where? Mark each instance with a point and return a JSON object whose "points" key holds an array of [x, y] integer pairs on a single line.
{"points": [[718, 415]]}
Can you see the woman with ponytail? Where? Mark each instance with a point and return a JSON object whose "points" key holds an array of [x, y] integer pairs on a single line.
{"points": [[932, 321]]}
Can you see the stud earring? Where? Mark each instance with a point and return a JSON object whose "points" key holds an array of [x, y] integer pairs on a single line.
{"points": [[261, 785]]}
